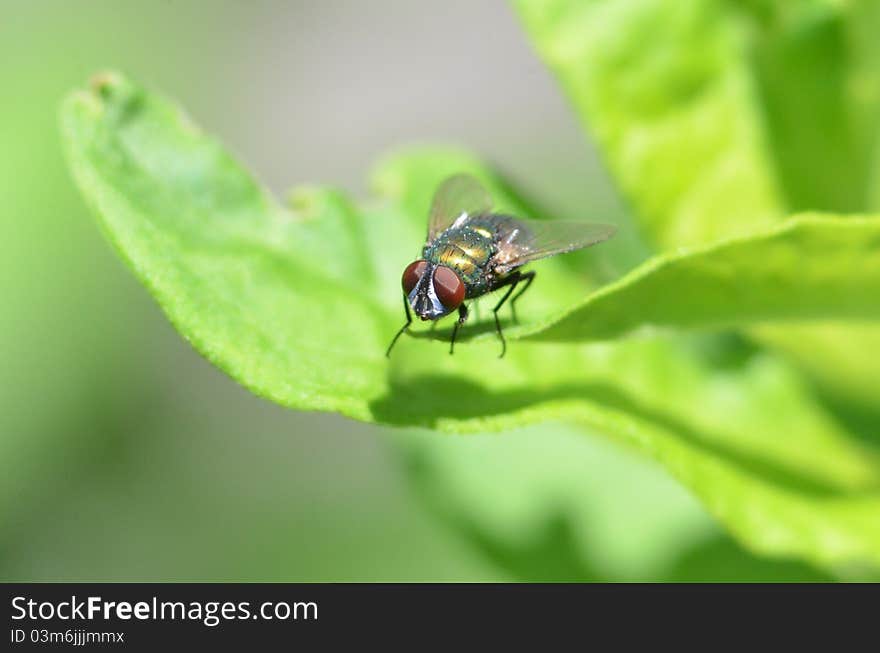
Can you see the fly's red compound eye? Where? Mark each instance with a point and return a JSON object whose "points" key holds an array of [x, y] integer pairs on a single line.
{"points": [[412, 275], [449, 288]]}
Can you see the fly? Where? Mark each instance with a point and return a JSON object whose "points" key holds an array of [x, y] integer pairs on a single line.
{"points": [[471, 251]]}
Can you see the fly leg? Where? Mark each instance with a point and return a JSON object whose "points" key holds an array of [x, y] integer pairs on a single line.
{"points": [[527, 278], [403, 328], [511, 281], [462, 316]]}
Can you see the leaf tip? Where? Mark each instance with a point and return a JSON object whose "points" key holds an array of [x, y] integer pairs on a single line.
{"points": [[105, 89], [105, 82]]}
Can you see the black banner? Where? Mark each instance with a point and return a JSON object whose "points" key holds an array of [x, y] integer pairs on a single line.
{"points": [[148, 616]]}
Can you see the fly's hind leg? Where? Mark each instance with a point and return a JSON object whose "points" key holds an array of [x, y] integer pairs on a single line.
{"points": [[512, 281], [526, 278], [462, 316]]}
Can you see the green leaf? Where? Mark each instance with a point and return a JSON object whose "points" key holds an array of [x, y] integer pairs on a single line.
{"points": [[717, 118], [299, 303], [832, 354], [720, 118], [215, 250], [811, 267]]}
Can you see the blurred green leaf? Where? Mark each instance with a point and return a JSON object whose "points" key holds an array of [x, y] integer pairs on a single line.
{"points": [[816, 70], [558, 504], [260, 289], [666, 92], [718, 118]]}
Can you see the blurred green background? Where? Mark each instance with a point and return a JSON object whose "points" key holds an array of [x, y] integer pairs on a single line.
{"points": [[127, 456]]}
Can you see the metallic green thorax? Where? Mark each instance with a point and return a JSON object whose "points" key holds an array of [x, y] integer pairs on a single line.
{"points": [[469, 249]]}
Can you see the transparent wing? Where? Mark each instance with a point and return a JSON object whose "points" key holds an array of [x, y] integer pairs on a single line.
{"points": [[457, 198], [534, 239]]}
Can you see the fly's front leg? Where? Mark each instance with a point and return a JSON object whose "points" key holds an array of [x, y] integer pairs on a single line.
{"points": [[403, 328], [462, 316], [527, 278]]}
